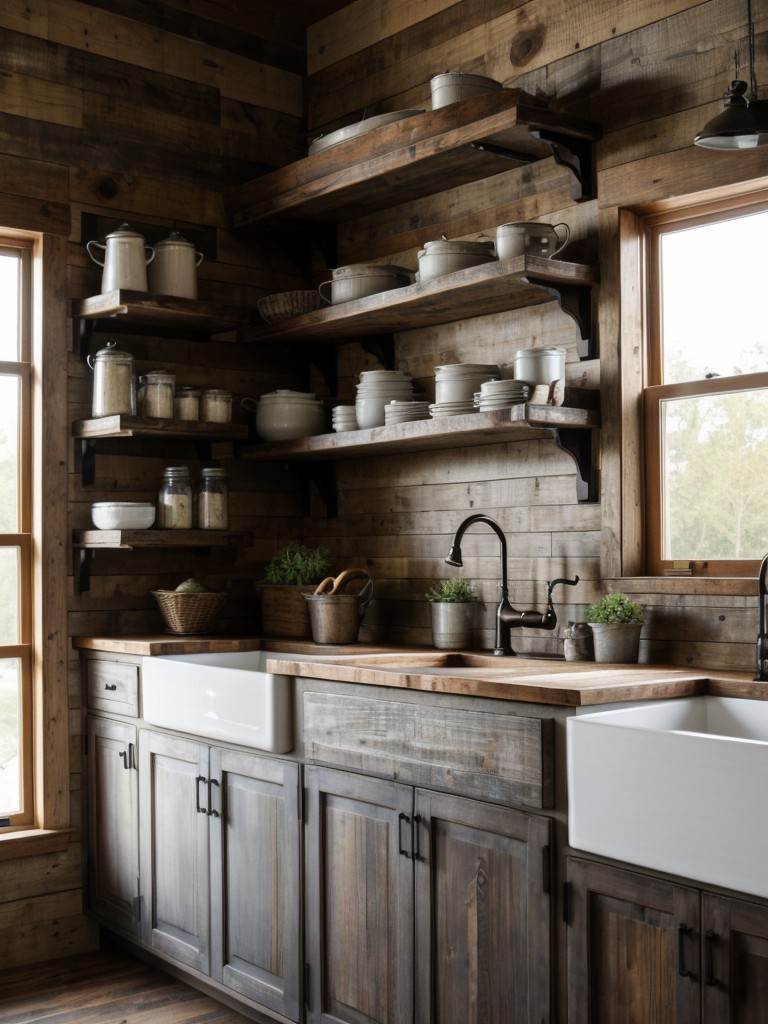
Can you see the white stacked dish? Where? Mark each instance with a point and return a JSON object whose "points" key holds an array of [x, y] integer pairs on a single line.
{"points": [[405, 412], [286, 415], [122, 515], [442, 409], [501, 394], [377, 388], [343, 418], [458, 382]]}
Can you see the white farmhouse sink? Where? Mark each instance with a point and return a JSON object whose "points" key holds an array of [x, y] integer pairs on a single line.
{"points": [[228, 697], [679, 786]]}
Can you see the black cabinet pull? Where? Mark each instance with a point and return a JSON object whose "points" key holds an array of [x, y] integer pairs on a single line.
{"points": [[417, 820], [402, 817], [129, 761], [110, 686], [212, 782], [709, 958], [682, 931], [198, 780]]}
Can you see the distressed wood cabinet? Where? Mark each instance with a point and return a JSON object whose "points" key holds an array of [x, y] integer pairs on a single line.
{"points": [[646, 950], [220, 865]]}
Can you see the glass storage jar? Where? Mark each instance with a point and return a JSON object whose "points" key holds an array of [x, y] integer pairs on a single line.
{"points": [[114, 385], [174, 501], [156, 394], [186, 403], [212, 511], [215, 405]]}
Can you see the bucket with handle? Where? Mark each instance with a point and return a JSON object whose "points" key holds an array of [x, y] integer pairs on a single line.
{"points": [[336, 616]]}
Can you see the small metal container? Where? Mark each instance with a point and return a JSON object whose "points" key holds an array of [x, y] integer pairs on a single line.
{"points": [[114, 384], [539, 365]]}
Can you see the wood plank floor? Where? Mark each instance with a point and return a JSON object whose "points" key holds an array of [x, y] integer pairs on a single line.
{"points": [[108, 987]]}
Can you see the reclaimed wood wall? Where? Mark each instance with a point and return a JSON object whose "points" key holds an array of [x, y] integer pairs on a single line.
{"points": [[116, 110]]}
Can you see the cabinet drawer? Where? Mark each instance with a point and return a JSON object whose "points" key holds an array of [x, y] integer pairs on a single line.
{"points": [[113, 686], [503, 758]]}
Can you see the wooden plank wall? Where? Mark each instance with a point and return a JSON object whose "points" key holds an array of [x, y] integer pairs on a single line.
{"points": [[112, 111], [652, 75]]}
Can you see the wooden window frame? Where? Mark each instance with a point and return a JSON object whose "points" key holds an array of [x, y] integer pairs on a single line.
{"points": [[650, 229]]}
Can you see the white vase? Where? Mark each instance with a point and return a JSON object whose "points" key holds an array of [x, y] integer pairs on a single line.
{"points": [[453, 624], [616, 642]]}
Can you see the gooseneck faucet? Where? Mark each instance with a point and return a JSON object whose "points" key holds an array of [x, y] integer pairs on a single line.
{"points": [[507, 617], [762, 655]]}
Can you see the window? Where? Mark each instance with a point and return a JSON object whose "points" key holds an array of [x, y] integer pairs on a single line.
{"points": [[706, 394], [16, 781]]}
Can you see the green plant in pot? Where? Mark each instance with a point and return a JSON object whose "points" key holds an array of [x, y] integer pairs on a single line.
{"points": [[616, 623], [455, 606], [292, 571]]}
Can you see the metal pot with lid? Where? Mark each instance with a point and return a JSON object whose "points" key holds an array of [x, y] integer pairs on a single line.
{"points": [[174, 268], [444, 256], [114, 384], [126, 256]]}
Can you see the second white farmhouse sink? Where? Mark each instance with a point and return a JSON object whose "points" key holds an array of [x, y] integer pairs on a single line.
{"points": [[679, 786], [228, 697]]}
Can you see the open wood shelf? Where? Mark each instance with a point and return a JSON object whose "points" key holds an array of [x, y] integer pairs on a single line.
{"points": [[130, 539], [419, 155], [121, 425], [477, 291]]}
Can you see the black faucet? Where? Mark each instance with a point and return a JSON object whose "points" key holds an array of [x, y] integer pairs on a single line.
{"points": [[762, 655], [507, 617]]}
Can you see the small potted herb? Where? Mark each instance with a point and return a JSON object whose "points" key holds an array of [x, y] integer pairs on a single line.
{"points": [[294, 570], [454, 613], [616, 623]]}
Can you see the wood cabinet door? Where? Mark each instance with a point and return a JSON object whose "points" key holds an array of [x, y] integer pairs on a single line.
{"points": [[113, 823], [255, 878], [483, 918], [633, 948], [359, 899], [173, 843], [734, 961]]}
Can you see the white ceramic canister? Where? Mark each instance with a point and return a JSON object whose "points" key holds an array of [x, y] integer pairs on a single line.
{"points": [[361, 279], [114, 384], [126, 257], [529, 238], [452, 86], [444, 257], [174, 268], [539, 365]]}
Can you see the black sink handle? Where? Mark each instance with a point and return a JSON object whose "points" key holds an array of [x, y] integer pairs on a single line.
{"points": [[568, 583]]}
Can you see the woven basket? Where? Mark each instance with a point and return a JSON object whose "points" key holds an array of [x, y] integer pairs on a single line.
{"points": [[189, 613], [282, 305]]}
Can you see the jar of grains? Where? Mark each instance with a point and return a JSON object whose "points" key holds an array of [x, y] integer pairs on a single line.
{"points": [[215, 405], [212, 511], [156, 394], [114, 385], [174, 502], [186, 403]]}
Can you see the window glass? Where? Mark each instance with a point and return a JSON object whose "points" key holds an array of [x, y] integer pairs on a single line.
{"points": [[10, 736], [9, 454], [713, 280], [9, 304]]}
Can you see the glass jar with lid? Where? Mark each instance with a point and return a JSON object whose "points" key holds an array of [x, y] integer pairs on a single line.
{"points": [[215, 405], [114, 385], [174, 501], [186, 403], [211, 495], [156, 394]]}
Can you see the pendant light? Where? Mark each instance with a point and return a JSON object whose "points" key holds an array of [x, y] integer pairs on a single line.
{"points": [[743, 123]]}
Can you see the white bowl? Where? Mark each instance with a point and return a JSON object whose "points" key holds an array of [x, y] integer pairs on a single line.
{"points": [[122, 515], [289, 420]]}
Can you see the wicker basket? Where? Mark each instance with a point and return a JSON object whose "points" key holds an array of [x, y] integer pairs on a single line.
{"points": [[189, 613], [282, 305]]}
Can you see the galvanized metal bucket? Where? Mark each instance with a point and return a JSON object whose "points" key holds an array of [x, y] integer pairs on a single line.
{"points": [[335, 616]]}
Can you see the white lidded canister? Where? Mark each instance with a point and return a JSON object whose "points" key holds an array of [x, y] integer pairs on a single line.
{"points": [[174, 268], [114, 383], [125, 260], [539, 365]]}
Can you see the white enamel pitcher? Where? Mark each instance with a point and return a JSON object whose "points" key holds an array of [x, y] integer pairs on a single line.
{"points": [[174, 269], [126, 257]]}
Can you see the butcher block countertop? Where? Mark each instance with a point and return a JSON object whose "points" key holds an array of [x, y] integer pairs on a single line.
{"points": [[533, 680]]}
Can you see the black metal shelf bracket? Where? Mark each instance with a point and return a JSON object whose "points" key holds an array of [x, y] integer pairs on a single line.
{"points": [[577, 156], [576, 301], [83, 563], [581, 446]]}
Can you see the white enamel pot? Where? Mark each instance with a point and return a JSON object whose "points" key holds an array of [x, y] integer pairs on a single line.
{"points": [[126, 257], [174, 268]]}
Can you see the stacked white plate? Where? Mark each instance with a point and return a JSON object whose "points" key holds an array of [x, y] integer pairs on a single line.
{"points": [[343, 418], [442, 409], [405, 412], [458, 382], [377, 388], [501, 394]]}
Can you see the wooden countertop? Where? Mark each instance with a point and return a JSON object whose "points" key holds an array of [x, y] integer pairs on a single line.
{"points": [[533, 680]]}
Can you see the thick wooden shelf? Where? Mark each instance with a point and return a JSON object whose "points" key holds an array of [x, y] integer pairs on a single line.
{"points": [[164, 311], [491, 288], [419, 156], [121, 425], [130, 539]]}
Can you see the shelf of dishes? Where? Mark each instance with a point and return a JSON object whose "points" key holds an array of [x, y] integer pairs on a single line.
{"points": [[493, 287], [418, 154]]}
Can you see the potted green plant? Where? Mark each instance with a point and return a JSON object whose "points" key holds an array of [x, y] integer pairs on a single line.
{"points": [[616, 623], [292, 571], [454, 613]]}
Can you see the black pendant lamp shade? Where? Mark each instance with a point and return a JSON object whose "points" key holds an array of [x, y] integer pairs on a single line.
{"points": [[742, 124]]}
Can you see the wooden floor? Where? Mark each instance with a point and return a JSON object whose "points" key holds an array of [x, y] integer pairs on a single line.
{"points": [[104, 988]]}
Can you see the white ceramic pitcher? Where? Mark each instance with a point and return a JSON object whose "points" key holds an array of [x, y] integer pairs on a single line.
{"points": [[125, 260]]}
